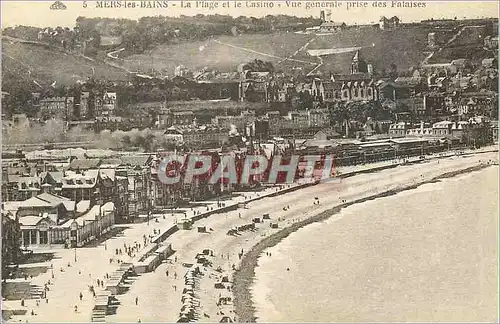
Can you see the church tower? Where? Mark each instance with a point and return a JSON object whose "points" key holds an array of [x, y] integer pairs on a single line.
{"points": [[358, 65]]}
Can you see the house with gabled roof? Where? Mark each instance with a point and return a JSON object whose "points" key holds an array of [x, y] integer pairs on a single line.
{"points": [[385, 23]]}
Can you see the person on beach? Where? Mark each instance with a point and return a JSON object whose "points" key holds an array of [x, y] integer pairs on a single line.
{"points": [[136, 301], [81, 296], [166, 272]]}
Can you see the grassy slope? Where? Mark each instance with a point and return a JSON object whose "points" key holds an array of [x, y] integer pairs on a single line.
{"points": [[403, 47], [47, 65]]}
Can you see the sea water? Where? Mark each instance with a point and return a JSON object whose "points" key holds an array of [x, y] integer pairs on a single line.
{"points": [[428, 254]]}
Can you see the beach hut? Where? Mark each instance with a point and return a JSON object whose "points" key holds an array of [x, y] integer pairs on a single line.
{"points": [[274, 225], [102, 301], [184, 224], [204, 261], [202, 229], [186, 297], [266, 216], [226, 319], [256, 220], [164, 251]]}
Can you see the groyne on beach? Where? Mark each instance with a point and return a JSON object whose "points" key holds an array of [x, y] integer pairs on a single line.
{"points": [[244, 276]]}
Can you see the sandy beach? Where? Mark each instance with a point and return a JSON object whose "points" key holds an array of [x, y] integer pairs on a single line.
{"points": [[156, 296], [226, 249]]}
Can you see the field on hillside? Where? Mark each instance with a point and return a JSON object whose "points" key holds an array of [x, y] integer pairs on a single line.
{"points": [[404, 47], [45, 65], [223, 53], [287, 51]]}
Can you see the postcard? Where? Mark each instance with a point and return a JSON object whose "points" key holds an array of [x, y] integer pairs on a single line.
{"points": [[249, 161]]}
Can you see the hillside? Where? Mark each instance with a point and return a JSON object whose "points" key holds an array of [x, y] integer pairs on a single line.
{"points": [[43, 64], [404, 47]]}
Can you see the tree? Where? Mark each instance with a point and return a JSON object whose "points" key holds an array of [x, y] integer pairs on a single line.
{"points": [[259, 66]]}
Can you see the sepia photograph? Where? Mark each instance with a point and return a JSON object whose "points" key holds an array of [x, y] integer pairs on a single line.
{"points": [[232, 161]]}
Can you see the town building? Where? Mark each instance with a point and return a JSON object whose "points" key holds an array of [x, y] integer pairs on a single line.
{"points": [[442, 128], [107, 105], [385, 23], [357, 86], [139, 184], [331, 26], [43, 231], [398, 129], [318, 117], [394, 90], [56, 107]]}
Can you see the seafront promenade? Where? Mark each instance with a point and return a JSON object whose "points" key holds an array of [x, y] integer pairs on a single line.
{"points": [[74, 270], [227, 248]]}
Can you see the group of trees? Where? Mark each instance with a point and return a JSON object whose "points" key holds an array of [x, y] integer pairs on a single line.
{"points": [[258, 66]]}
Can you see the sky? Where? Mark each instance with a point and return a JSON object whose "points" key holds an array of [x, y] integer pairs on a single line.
{"points": [[38, 13]]}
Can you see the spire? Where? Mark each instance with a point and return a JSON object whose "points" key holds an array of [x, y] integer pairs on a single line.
{"points": [[358, 65], [356, 57]]}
